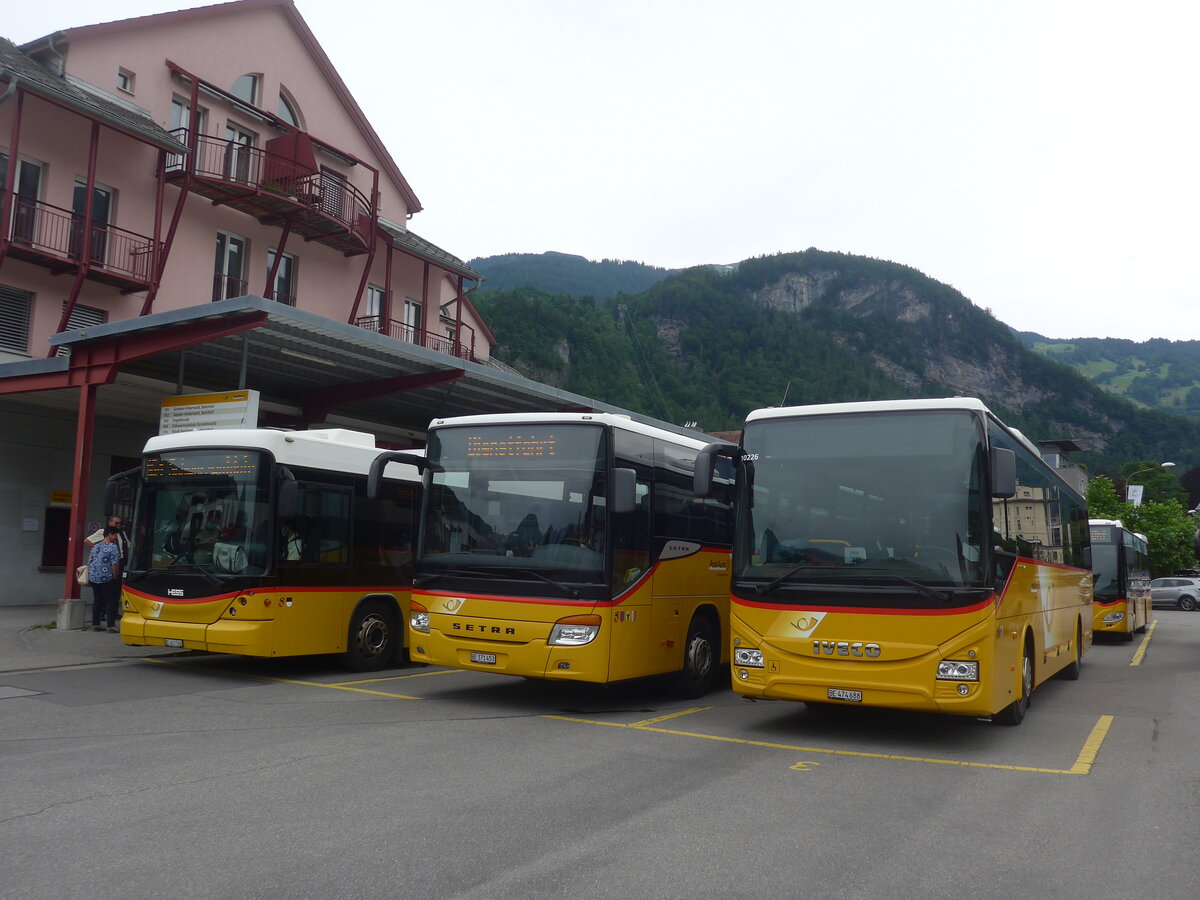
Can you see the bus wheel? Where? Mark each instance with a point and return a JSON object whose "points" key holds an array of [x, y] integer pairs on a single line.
{"points": [[371, 643], [1071, 672], [1014, 713], [701, 658]]}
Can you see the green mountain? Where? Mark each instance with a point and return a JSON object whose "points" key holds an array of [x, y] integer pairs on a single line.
{"points": [[1158, 374], [563, 273], [708, 344]]}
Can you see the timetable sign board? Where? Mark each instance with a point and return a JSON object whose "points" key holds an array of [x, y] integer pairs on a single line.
{"points": [[206, 412]]}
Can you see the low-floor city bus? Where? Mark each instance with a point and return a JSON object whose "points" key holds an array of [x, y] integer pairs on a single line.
{"points": [[1121, 602], [912, 554], [568, 547], [264, 543]]}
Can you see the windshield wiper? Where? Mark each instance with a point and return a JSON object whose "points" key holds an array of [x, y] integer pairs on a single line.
{"points": [[565, 588], [923, 588], [772, 585]]}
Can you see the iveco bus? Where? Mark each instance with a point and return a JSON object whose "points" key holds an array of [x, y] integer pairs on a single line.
{"points": [[914, 554]]}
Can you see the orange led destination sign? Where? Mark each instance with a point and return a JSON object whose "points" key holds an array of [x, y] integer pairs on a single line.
{"points": [[511, 445], [185, 465]]}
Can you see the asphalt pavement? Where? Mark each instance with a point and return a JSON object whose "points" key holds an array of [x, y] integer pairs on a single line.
{"points": [[29, 639]]}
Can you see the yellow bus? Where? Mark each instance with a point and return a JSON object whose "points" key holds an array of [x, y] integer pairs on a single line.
{"points": [[912, 554], [570, 547], [264, 543], [1121, 575]]}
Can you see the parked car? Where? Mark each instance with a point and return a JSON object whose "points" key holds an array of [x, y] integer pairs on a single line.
{"points": [[1181, 592]]}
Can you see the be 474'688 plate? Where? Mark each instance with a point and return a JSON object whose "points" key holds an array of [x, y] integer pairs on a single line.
{"points": [[840, 694]]}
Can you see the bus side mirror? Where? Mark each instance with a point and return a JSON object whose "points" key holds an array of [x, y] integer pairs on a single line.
{"points": [[1004, 473], [380, 462], [624, 491], [115, 488], [706, 459], [288, 502]]}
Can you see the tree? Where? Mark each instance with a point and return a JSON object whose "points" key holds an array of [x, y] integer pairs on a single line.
{"points": [[1169, 531], [1102, 499]]}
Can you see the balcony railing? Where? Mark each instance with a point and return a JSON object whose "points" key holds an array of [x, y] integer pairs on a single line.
{"points": [[50, 235], [411, 334], [226, 286], [323, 204]]}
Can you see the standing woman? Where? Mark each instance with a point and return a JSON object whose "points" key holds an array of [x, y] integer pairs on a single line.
{"points": [[104, 566]]}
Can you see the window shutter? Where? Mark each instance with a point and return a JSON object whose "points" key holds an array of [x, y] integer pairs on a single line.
{"points": [[82, 317], [14, 319]]}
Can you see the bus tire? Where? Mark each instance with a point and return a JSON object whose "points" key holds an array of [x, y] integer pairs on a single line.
{"points": [[1127, 636], [1071, 672], [1014, 713], [374, 637], [701, 659]]}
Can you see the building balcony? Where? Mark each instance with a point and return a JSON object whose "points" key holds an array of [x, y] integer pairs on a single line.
{"points": [[53, 237], [274, 188], [411, 334]]}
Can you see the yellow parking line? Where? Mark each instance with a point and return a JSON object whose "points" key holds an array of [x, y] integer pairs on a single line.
{"points": [[316, 684], [1082, 766], [676, 715], [1141, 651], [399, 677]]}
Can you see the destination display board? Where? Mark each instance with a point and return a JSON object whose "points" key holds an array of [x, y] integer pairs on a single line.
{"points": [[240, 465], [206, 412]]}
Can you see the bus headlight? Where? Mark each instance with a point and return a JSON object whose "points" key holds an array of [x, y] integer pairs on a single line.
{"points": [[1113, 618], [574, 631], [744, 656], [957, 670], [418, 617]]}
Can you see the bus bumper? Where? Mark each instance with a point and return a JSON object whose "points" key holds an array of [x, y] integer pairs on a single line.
{"points": [[248, 638], [534, 659]]}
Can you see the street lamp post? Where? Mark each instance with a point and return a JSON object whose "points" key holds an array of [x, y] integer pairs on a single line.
{"points": [[1129, 492]]}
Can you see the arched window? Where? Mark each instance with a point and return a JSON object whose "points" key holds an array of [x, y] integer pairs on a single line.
{"points": [[287, 109], [246, 88]]}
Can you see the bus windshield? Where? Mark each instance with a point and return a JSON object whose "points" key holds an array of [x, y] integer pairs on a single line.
{"points": [[887, 505], [516, 501], [1105, 572], [206, 509]]}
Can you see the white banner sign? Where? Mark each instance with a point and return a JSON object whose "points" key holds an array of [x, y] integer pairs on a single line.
{"points": [[205, 412], [1133, 493]]}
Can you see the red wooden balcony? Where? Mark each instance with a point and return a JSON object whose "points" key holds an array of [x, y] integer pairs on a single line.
{"points": [[274, 188], [53, 237]]}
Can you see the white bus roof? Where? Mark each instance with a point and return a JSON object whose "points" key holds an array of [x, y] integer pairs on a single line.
{"points": [[563, 418], [1116, 522], [334, 449], [825, 409]]}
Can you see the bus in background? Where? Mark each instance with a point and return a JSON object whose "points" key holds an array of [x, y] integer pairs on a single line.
{"points": [[264, 543], [912, 554], [568, 546], [1121, 579]]}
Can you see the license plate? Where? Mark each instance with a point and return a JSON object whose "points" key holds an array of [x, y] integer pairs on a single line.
{"points": [[488, 659], [839, 694], [172, 642]]}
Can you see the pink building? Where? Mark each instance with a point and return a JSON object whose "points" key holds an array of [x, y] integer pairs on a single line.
{"points": [[204, 172], [165, 161]]}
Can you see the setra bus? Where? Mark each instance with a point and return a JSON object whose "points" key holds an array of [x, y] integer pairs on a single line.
{"points": [[1121, 601], [913, 554], [264, 543], [570, 547]]}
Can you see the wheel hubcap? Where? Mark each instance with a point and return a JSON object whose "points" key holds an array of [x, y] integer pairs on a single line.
{"points": [[372, 635], [700, 657]]}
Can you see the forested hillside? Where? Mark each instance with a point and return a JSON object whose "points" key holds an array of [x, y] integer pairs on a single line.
{"points": [[707, 345], [1159, 374], [562, 273]]}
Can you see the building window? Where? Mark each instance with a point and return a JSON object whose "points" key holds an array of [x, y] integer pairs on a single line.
{"points": [[241, 164], [284, 288], [102, 208], [287, 109], [125, 81], [181, 114], [14, 319], [412, 321], [246, 88], [229, 278], [375, 301], [28, 189]]}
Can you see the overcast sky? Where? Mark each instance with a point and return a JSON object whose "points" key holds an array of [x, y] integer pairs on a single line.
{"points": [[1041, 157]]}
